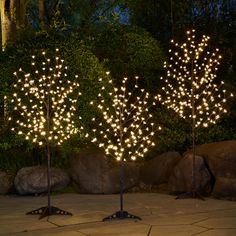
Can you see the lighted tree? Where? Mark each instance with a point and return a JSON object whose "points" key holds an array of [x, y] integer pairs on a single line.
{"points": [[125, 131], [191, 89], [45, 103]]}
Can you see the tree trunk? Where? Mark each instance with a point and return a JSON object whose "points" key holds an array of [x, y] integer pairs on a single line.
{"points": [[42, 13], [13, 18], [8, 23], [46, 13], [21, 22]]}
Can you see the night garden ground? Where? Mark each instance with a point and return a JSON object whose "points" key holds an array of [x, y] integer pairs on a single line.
{"points": [[161, 215]]}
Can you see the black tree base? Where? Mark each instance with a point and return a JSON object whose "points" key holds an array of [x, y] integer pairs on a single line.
{"points": [[121, 215], [48, 211], [191, 194]]}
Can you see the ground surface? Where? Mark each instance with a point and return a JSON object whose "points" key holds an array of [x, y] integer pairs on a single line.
{"points": [[161, 215]]}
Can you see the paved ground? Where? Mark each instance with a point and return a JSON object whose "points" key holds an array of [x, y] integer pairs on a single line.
{"points": [[161, 215]]}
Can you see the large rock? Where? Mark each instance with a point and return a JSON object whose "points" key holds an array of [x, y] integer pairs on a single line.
{"points": [[92, 172], [6, 182], [225, 188], [181, 179], [33, 180], [158, 170], [221, 159]]}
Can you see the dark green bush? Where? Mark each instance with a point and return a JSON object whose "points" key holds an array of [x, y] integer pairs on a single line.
{"points": [[129, 51]]}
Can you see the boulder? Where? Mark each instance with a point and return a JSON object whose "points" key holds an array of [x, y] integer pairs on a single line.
{"points": [[225, 188], [181, 179], [33, 180], [220, 157], [158, 170], [92, 172], [221, 160], [6, 182], [112, 178]]}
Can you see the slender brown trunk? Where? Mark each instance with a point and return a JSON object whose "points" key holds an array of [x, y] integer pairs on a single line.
{"points": [[193, 129]]}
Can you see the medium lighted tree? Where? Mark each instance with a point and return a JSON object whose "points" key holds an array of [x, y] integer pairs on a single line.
{"points": [[45, 103], [125, 131], [191, 89]]}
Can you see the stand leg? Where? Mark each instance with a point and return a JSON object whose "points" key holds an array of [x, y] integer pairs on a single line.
{"points": [[46, 211], [121, 214]]}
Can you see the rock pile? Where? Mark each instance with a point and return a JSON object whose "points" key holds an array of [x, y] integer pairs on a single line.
{"points": [[90, 171]]}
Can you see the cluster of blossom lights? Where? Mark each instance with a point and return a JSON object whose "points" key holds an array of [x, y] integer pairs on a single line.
{"points": [[129, 133], [44, 103], [189, 82]]}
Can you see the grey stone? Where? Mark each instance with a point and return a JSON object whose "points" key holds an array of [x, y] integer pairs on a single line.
{"points": [[6, 182], [181, 179], [158, 170], [92, 172], [33, 180]]}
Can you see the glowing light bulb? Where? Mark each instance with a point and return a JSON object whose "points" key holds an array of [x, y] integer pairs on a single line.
{"points": [[47, 99], [128, 130], [189, 81]]}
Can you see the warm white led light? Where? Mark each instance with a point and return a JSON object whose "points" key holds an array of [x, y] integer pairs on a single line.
{"points": [[130, 131], [189, 87], [45, 101]]}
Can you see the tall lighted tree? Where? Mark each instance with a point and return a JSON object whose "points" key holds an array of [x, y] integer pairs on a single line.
{"points": [[191, 89], [125, 131], [45, 104]]}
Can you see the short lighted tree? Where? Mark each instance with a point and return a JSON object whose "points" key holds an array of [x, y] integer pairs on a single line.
{"points": [[45, 103], [125, 131], [191, 89]]}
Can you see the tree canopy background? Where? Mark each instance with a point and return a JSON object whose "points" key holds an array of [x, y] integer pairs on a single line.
{"points": [[127, 37]]}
